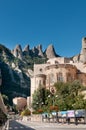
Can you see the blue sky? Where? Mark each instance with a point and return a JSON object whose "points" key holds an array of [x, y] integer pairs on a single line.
{"points": [[58, 22]]}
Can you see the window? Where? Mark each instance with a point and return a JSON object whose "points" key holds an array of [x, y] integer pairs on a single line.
{"points": [[52, 78], [59, 77], [47, 79], [39, 82], [40, 69], [69, 77]]}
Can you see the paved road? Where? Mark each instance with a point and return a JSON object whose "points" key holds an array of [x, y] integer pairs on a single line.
{"points": [[19, 125], [13, 125]]}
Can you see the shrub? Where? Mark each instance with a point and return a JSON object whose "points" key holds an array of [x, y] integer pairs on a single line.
{"points": [[40, 111], [26, 112], [53, 108]]}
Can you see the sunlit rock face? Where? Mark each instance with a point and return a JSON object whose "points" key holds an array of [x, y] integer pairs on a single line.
{"points": [[18, 52], [50, 52], [40, 52], [83, 51], [81, 57], [36, 51], [26, 49]]}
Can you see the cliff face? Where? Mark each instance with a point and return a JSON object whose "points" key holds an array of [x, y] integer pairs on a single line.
{"points": [[15, 66], [81, 57], [34, 52], [83, 51], [15, 81], [18, 51], [50, 52]]}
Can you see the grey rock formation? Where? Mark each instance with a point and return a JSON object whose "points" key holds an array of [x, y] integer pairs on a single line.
{"points": [[11, 73], [34, 51], [50, 52], [26, 49], [20, 74], [18, 52], [76, 59], [83, 51], [40, 52], [81, 58]]}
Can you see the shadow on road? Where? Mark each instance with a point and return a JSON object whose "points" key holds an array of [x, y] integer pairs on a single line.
{"points": [[16, 125]]}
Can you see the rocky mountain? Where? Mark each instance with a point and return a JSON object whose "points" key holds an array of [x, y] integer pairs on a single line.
{"points": [[50, 52], [81, 57], [17, 65], [34, 52]]}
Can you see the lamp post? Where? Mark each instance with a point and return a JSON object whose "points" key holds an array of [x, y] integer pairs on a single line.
{"points": [[53, 107], [40, 104], [53, 98]]}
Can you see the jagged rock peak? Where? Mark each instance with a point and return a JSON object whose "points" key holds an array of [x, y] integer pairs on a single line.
{"points": [[18, 51], [34, 49], [50, 52], [39, 47], [18, 47], [26, 49], [40, 52], [81, 57], [83, 51], [5, 52]]}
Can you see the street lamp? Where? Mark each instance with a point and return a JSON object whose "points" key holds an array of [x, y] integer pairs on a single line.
{"points": [[40, 104], [53, 98], [53, 108]]}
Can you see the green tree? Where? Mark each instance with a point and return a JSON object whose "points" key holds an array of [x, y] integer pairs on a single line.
{"points": [[26, 112], [69, 95], [75, 88], [39, 97]]}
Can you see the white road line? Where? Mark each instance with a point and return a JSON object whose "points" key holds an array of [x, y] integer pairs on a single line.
{"points": [[15, 127], [21, 127]]}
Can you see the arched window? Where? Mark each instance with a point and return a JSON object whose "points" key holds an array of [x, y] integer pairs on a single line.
{"points": [[40, 82], [60, 77], [47, 79], [69, 77], [52, 78]]}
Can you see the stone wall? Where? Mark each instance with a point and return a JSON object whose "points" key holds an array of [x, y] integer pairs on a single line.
{"points": [[34, 117]]}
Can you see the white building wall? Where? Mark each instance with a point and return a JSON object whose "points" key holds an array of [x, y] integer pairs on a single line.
{"points": [[33, 86]]}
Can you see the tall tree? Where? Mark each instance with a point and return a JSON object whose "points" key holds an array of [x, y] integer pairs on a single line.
{"points": [[39, 97], [69, 95]]}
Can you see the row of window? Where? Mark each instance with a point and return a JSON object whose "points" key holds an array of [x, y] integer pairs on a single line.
{"points": [[52, 79]]}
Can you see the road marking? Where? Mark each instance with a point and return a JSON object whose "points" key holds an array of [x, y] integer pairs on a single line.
{"points": [[15, 127], [21, 127]]}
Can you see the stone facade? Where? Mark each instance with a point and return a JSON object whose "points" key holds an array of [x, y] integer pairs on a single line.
{"points": [[57, 69]]}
